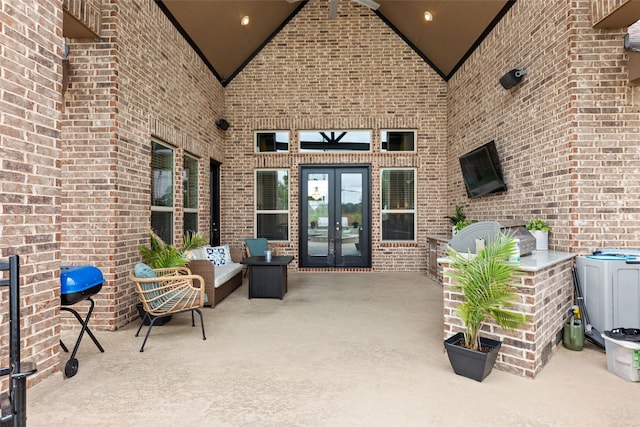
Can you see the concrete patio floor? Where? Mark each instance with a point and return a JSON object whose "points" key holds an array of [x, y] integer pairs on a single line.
{"points": [[348, 349]]}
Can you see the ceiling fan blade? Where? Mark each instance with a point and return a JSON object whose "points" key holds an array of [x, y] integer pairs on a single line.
{"points": [[369, 3], [333, 9]]}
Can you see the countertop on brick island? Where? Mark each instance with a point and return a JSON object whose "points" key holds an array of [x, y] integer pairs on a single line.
{"points": [[539, 260], [544, 295]]}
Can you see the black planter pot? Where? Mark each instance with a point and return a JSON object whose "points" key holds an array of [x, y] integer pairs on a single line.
{"points": [[161, 321], [471, 363]]}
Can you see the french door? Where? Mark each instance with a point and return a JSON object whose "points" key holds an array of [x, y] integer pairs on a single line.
{"points": [[334, 216]]}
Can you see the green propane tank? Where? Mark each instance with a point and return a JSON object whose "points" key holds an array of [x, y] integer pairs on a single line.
{"points": [[573, 333]]}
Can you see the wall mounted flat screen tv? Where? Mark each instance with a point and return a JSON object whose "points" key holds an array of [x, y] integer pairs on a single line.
{"points": [[482, 172]]}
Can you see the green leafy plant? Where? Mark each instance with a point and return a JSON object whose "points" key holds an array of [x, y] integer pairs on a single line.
{"points": [[486, 282], [457, 217], [538, 225], [462, 224], [163, 255]]}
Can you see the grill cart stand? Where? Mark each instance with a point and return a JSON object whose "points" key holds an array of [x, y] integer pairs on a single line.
{"points": [[79, 284]]}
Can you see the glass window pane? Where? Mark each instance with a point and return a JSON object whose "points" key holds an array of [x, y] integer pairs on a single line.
{"points": [[397, 140], [272, 194], [397, 189], [162, 225], [398, 204], [272, 190], [335, 140], [190, 182], [276, 141], [190, 222], [273, 226], [397, 226], [162, 175]]}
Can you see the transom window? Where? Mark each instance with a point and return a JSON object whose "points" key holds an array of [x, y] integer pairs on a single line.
{"points": [[398, 204], [334, 140], [398, 140], [272, 141], [272, 204]]}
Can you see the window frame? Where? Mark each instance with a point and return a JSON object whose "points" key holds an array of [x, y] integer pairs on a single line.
{"points": [[387, 211], [258, 212]]}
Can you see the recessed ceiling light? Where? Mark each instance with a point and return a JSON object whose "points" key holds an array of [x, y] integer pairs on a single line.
{"points": [[244, 20], [428, 16]]}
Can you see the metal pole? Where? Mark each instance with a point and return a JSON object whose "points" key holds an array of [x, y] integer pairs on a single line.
{"points": [[18, 386]]}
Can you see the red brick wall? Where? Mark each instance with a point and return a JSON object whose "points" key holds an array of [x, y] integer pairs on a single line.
{"points": [[567, 135], [140, 79], [30, 193], [352, 72], [604, 115]]}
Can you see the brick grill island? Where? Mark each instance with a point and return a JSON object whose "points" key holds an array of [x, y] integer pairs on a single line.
{"points": [[545, 295]]}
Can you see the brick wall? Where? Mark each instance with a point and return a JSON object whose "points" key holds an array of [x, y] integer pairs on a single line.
{"points": [[567, 135], [604, 114], [544, 297], [30, 104], [352, 72], [140, 79]]}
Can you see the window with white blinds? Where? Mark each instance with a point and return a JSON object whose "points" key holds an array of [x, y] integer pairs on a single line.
{"points": [[162, 196], [398, 204], [190, 193], [272, 204]]}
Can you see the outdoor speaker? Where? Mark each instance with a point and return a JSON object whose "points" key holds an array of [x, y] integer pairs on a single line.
{"points": [[512, 78], [222, 124]]}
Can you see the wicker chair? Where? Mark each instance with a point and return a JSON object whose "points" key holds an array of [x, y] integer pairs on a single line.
{"points": [[172, 291]]}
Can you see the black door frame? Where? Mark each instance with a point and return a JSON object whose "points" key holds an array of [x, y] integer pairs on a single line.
{"points": [[214, 203], [331, 260]]}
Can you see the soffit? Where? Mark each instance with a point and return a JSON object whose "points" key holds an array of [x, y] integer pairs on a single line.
{"points": [[213, 28], [621, 17]]}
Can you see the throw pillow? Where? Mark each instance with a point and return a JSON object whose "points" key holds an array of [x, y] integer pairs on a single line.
{"points": [[143, 271], [219, 255]]}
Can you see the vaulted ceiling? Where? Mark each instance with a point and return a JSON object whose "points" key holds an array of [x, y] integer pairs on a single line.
{"points": [[213, 27]]}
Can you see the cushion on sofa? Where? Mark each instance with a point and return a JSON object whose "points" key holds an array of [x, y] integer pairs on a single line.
{"points": [[198, 253], [219, 255], [224, 273]]}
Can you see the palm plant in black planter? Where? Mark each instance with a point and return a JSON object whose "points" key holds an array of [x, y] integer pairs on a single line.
{"points": [[486, 282]]}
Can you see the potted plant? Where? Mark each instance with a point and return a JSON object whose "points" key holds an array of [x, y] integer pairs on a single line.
{"points": [[460, 225], [164, 255], [456, 218], [486, 282], [540, 231]]}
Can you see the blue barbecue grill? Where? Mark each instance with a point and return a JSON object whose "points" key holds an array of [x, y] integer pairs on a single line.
{"points": [[78, 284]]}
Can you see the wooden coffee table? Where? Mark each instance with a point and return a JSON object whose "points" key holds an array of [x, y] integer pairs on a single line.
{"points": [[267, 279]]}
